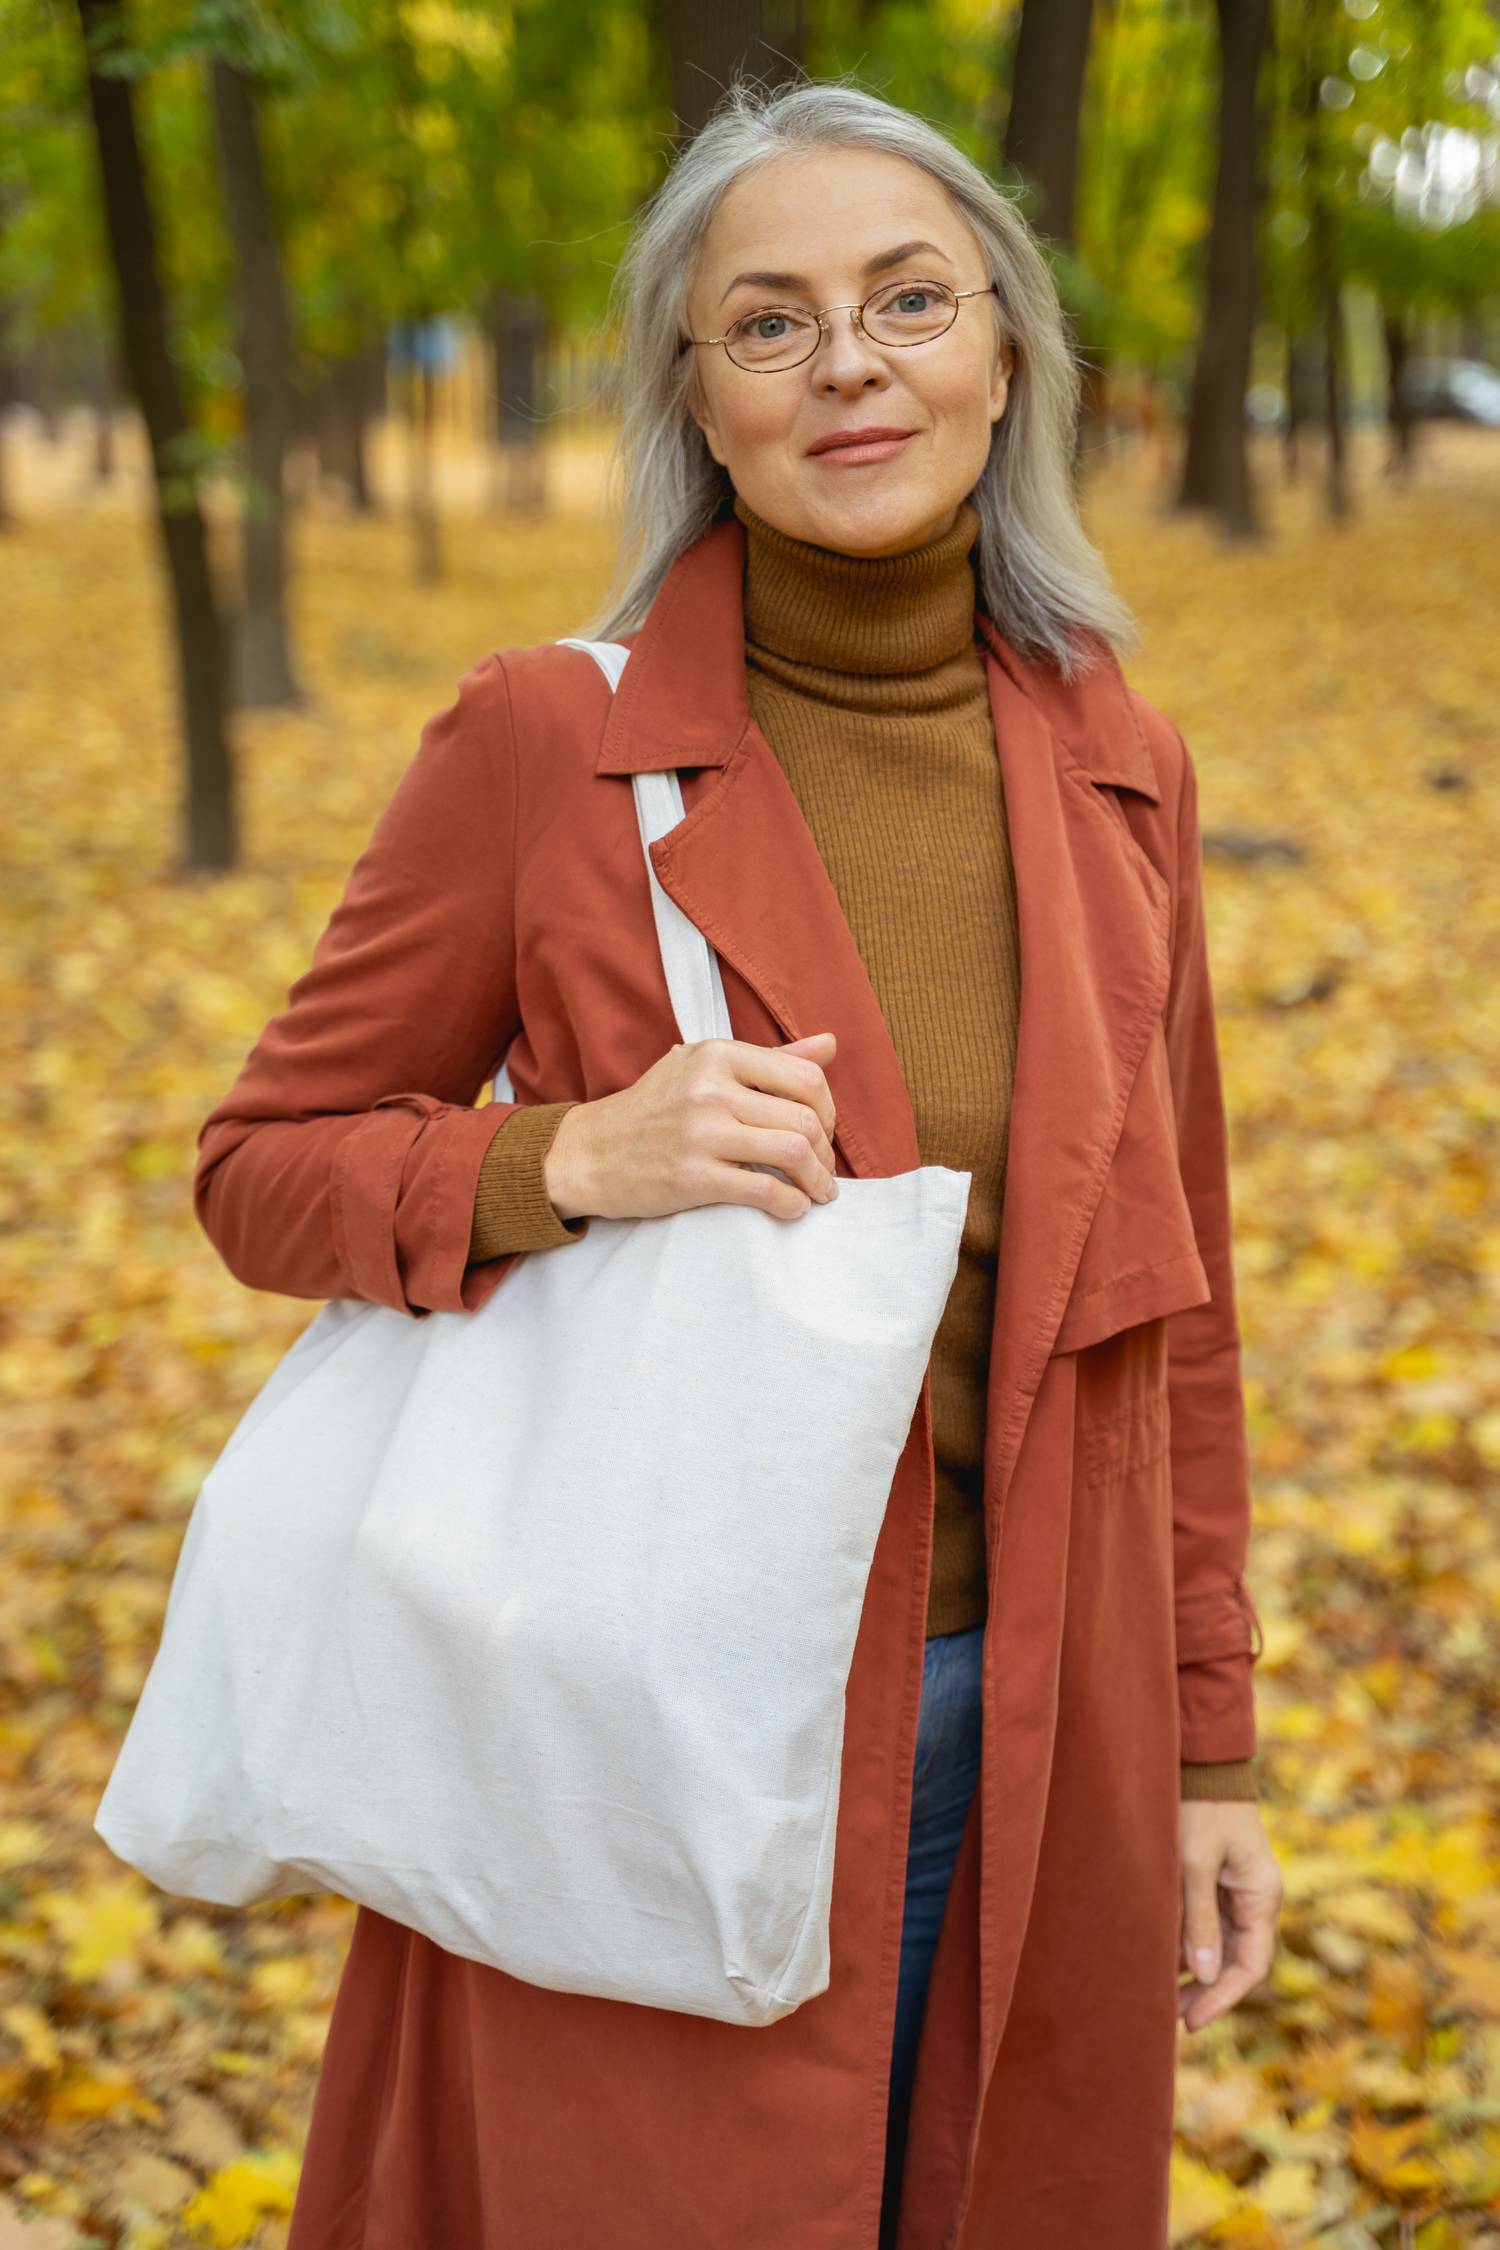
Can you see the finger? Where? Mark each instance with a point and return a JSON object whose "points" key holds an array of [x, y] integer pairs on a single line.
{"points": [[790, 1152], [1198, 2004], [1250, 1952], [1202, 1949], [774, 1115], [796, 1078], [715, 1182], [1253, 1944]]}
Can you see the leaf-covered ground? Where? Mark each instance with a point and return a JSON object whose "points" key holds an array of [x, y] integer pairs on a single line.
{"points": [[1339, 688]]}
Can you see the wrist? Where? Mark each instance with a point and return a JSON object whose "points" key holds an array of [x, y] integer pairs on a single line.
{"points": [[564, 1173]]}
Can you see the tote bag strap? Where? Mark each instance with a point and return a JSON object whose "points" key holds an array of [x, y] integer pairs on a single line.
{"points": [[691, 965]]}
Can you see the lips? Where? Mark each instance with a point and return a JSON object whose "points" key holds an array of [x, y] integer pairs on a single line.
{"points": [[837, 440]]}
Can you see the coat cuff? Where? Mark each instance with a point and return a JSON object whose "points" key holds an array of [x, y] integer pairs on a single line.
{"points": [[403, 1201], [512, 1209]]}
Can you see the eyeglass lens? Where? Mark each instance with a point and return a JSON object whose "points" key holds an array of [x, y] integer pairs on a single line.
{"points": [[903, 312]]}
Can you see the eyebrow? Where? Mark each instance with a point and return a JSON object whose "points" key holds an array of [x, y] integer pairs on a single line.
{"points": [[873, 265]]}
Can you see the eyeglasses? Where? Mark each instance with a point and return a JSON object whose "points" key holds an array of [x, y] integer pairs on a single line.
{"points": [[774, 337]]}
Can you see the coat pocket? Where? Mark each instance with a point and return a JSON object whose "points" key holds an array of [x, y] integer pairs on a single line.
{"points": [[1134, 1435]]}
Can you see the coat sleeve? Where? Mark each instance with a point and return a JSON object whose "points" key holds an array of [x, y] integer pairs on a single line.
{"points": [[1218, 1627], [345, 1159]]}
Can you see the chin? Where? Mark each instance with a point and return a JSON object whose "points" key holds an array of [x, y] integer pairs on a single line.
{"points": [[876, 523]]}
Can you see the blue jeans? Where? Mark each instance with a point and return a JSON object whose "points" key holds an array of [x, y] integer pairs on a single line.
{"points": [[943, 1778]]}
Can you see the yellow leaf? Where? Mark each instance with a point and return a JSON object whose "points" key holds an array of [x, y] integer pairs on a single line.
{"points": [[1412, 1364], [142, 2233], [1416, 2176], [231, 2205], [1371, 1913], [100, 1928], [1200, 2196], [1380, 2152], [1473, 1978], [190, 1947], [97, 2093], [33, 2034], [1484, 1436], [1288, 2191], [22, 1842], [283, 1983]]}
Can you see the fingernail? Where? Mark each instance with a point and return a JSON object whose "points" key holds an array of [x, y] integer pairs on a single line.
{"points": [[1203, 1958]]}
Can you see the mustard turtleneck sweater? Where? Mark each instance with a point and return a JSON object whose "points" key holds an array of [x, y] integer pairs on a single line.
{"points": [[865, 677]]}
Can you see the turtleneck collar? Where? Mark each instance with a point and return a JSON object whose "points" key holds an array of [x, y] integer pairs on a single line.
{"points": [[884, 616]]}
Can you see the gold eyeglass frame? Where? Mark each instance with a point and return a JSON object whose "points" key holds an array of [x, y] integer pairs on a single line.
{"points": [[756, 312]]}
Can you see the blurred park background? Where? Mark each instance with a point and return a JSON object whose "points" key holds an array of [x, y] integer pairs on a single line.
{"points": [[305, 404]]}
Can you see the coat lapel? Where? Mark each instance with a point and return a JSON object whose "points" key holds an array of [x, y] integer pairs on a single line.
{"points": [[742, 864], [1093, 913], [1094, 918]]}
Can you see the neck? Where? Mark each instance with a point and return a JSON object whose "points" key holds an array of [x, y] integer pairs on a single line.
{"points": [[867, 615]]}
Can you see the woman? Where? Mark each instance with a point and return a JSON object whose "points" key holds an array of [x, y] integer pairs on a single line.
{"points": [[867, 628]]}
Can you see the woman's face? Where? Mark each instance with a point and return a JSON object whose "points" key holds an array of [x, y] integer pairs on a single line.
{"points": [[825, 229]]}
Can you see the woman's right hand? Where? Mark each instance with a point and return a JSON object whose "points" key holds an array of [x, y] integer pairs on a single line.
{"points": [[692, 1126]]}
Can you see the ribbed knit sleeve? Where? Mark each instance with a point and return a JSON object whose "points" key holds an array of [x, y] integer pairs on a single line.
{"points": [[512, 1209], [1224, 1778]]}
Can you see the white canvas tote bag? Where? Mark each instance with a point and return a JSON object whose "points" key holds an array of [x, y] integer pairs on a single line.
{"points": [[530, 1627]]}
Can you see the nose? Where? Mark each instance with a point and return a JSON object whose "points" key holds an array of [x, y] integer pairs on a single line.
{"points": [[846, 360]]}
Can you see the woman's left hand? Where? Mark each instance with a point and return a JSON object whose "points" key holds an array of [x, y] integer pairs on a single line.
{"points": [[1231, 1896]]}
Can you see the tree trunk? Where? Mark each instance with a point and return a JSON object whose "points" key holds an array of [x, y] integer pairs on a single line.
{"points": [[1216, 464], [708, 46], [348, 400], [104, 415], [1041, 146], [1046, 97], [44, 388], [1322, 268], [421, 417], [518, 333], [211, 827], [1297, 362], [7, 394], [266, 676], [1333, 374], [1398, 407]]}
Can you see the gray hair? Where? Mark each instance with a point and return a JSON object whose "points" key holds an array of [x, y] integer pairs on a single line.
{"points": [[1040, 578]]}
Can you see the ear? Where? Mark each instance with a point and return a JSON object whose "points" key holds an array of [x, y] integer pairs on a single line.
{"points": [[702, 414], [1000, 376]]}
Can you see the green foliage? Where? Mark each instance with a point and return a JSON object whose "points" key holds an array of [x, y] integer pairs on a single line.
{"points": [[426, 154], [1147, 184], [51, 262], [945, 59], [1352, 86]]}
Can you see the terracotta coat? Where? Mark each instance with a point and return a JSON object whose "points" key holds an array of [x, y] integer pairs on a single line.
{"points": [[502, 894]]}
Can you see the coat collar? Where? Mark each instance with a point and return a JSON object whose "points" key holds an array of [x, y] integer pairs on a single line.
{"points": [[682, 700]]}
